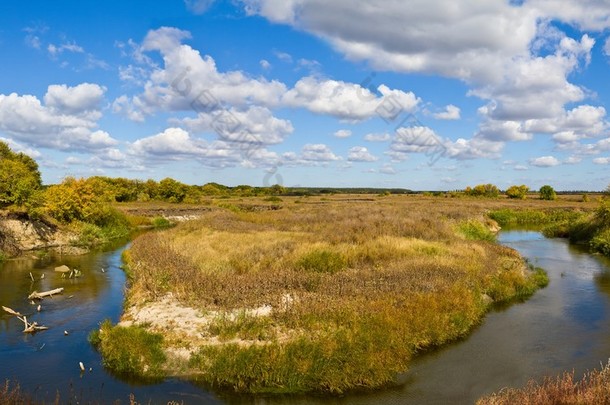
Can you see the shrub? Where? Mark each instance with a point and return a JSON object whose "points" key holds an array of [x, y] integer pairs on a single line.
{"points": [[518, 192], [602, 215], [483, 190], [601, 242], [547, 193]]}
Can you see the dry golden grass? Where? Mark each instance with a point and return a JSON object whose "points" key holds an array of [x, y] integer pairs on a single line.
{"points": [[358, 285], [592, 389]]}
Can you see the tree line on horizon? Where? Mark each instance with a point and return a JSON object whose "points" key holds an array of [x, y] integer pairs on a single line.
{"points": [[21, 186]]}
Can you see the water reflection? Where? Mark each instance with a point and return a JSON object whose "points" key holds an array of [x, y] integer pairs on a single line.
{"points": [[47, 362]]}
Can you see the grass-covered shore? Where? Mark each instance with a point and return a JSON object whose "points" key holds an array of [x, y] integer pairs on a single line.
{"points": [[316, 294], [589, 227], [592, 388]]}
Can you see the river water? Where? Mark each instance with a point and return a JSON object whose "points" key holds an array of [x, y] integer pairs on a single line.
{"points": [[565, 326]]}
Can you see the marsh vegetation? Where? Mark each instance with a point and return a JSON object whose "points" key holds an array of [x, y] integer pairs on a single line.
{"points": [[328, 295]]}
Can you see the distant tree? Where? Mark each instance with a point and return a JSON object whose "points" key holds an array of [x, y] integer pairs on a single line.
{"points": [[19, 177], [547, 193], [518, 192], [214, 189], [193, 195], [585, 198], [150, 191], [483, 190], [172, 190], [277, 189]]}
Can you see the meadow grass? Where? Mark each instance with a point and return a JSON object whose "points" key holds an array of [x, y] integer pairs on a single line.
{"points": [[511, 216], [357, 286]]}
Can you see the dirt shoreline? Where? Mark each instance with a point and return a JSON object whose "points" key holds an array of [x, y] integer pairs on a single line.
{"points": [[20, 234]]}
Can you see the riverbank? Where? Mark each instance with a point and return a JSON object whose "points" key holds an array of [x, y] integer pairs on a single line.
{"points": [[19, 233], [318, 294], [590, 228]]}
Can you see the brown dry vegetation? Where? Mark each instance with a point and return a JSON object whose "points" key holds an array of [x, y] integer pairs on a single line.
{"points": [[593, 388], [356, 286]]}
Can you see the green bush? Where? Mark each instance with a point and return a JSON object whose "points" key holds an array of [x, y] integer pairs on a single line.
{"points": [[518, 192], [547, 193], [601, 242], [483, 190], [322, 261], [129, 350], [88, 235], [602, 215]]}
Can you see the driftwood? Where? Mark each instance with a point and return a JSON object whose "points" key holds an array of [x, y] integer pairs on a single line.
{"points": [[29, 327], [38, 296]]}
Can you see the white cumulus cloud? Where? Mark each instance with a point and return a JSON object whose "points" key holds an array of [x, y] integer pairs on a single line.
{"points": [[343, 133], [61, 123], [451, 113], [545, 161], [360, 154]]}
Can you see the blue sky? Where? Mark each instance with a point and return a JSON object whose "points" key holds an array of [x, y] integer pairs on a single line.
{"points": [[426, 95]]}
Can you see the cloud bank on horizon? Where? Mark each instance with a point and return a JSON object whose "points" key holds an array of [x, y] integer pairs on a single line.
{"points": [[425, 95]]}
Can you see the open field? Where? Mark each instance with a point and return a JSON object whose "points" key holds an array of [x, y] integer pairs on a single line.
{"points": [[326, 294]]}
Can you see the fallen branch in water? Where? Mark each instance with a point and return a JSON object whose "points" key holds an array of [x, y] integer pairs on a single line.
{"points": [[38, 296], [29, 327]]}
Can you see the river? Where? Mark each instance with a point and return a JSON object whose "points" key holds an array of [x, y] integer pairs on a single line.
{"points": [[565, 326]]}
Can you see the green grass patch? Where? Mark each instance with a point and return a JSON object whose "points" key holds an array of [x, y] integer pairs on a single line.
{"points": [[322, 261], [129, 350], [507, 216], [160, 222], [242, 326], [510, 285], [332, 362], [475, 230]]}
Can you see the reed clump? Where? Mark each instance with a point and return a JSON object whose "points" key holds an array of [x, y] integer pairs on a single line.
{"points": [[593, 388]]}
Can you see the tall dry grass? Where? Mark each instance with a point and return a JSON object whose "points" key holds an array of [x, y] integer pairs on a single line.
{"points": [[592, 389], [358, 287]]}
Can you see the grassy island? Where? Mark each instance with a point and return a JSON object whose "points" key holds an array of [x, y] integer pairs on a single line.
{"points": [[317, 294]]}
